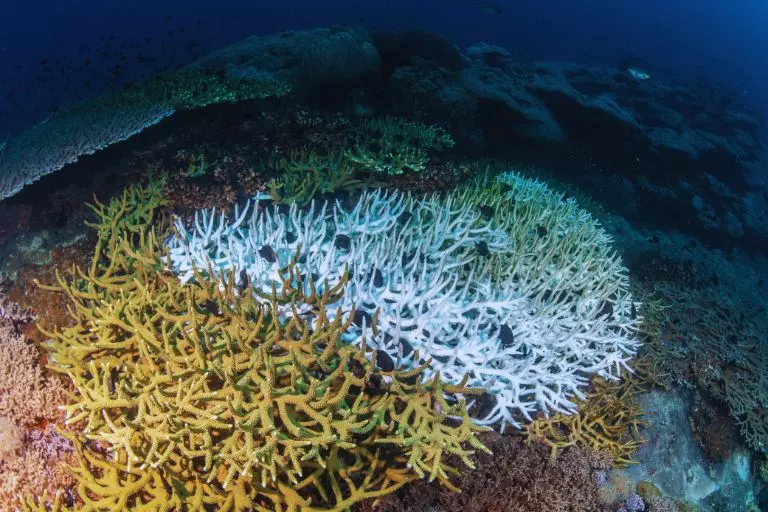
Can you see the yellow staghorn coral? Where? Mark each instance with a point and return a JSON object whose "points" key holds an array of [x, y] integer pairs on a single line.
{"points": [[608, 420], [225, 396]]}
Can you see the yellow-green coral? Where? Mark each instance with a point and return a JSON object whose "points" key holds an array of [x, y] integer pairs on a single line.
{"points": [[374, 146], [608, 420], [393, 146], [131, 213], [302, 175], [185, 89], [215, 396]]}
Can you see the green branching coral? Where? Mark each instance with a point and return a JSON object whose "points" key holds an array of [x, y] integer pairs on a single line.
{"points": [[302, 175], [373, 147], [131, 213], [393, 146], [186, 89], [233, 398]]}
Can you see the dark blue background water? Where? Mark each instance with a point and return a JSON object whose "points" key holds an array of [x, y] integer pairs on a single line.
{"points": [[45, 46]]}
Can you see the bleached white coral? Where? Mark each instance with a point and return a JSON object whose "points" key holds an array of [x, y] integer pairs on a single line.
{"points": [[507, 282]]}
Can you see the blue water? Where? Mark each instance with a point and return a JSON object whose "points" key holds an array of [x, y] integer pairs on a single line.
{"points": [[707, 42]]}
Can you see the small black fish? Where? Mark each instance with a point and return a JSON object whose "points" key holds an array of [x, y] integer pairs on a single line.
{"points": [[375, 385], [482, 249], [384, 362], [242, 283], [487, 211], [342, 242], [633, 312], [268, 253], [356, 368], [506, 336], [291, 237], [541, 231], [362, 317], [114, 375], [378, 278], [606, 309], [210, 306]]}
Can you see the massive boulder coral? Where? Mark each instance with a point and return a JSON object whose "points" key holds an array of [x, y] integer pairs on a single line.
{"points": [[218, 394], [506, 282]]}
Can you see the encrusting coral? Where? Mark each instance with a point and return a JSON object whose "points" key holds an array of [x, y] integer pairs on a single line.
{"points": [[37, 464], [215, 394]]}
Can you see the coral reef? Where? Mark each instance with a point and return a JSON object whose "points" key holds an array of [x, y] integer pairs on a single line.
{"points": [[394, 146], [303, 176], [31, 454], [607, 420], [318, 349], [712, 342], [233, 396], [86, 127], [502, 280], [518, 477]]}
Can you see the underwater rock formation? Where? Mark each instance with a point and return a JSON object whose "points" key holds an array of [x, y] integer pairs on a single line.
{"points": [[656, 146], [651, 146]]}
